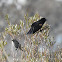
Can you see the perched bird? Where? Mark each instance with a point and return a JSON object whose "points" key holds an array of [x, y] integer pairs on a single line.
{"points": [[16, 44], [36, 26]]}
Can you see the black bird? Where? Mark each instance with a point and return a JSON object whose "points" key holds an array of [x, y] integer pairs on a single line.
{"points": [[36, 26], [16, 44]]}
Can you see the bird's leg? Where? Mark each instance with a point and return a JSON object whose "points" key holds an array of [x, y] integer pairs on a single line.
{"points": [[40, 30], [16, 49], [36, 34]]}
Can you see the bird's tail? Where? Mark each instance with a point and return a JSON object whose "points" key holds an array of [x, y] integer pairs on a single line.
{"points": [[20, 47], [30, 31]]}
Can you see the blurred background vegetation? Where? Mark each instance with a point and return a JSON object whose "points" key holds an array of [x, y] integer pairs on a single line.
{"points": [[16, 10]]}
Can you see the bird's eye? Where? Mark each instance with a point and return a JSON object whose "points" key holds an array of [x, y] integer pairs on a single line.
{"points": [[40, 24]]}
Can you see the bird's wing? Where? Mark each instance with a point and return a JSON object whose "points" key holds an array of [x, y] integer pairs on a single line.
{"points": [[34, 24]]}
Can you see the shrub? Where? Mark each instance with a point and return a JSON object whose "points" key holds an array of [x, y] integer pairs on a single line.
{"points": [[37, 47]]}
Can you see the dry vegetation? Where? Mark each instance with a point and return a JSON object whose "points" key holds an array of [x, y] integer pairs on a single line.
{"points": [[37, 47]]}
